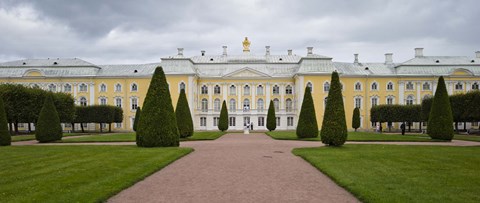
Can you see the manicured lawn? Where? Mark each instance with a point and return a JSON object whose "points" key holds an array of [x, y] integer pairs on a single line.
{"points": [[356, 136], [393, 173], [77, 173], [475, 138], [130, 137], [17, 138]]}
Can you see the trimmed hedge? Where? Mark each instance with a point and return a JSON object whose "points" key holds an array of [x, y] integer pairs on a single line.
{"points": [[334, 127], [98, 114], [223, 123], [307, 122], [440, 119], [356, 118], [396, 113], [48, 127], [271, 119], [137, 116], [5, 138], [184, 117]]}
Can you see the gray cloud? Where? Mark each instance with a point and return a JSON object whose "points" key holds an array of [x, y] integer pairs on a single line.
{"points": [[143, 31]]}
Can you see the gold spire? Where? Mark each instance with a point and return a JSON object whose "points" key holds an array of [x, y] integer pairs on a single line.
{"points": [[246, 45]]}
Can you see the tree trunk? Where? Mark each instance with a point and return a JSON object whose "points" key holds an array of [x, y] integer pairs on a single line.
{"points": [[81, 125], [10, 125], [456, 127], [409, 127], [101, 127], [465, 126], [110, 128], [420, 126], [73, 127], [16, 127], [29, 127]]}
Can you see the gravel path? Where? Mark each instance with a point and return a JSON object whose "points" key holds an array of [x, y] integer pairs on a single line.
{"points": [[238, 168]]}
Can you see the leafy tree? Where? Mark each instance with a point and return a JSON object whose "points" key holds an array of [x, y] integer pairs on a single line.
{"points": [[5, 138], [158, 123], [307, 123], [48, 126], [271, 118], [223, 123], [334, 127], [440, 119], [356, 118], [117, 116], [184, 117], [137, 116]]}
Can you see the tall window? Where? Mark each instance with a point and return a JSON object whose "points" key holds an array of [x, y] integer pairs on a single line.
{"points": [[246, 90], [246, 105], [103, 101], [259, 90], [261, 121], [358, 86], [182, 86], [134, 87], [118, 102], [67, 88], [233, 105], [289, 121], [390, 100], [83, 87], [326, 86], [204, 89], [410, 100], [289, 105], [216, 120], [374, 86], [204, 105], [216, 105], [118, 88], [390, 86], [374, 101], [233, 90], [426, 86], [277, 120], [103, 88], [232, 121], [276, 104], [358, 102], [216, 89], [52, 88], [260, 105], [409, 86], [83, 101], [134, 103], [310, 85], [459, 86], [276, 89], [288, 89], [203, 121], [475, 86]]}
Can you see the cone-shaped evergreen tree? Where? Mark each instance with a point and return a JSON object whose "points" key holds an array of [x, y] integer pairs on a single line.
{"points": [[307, 122], [137, 116], [157, 126], [184, 117], [334, 126], [223, 123], [356, 118], [271, 119], [5, 138], [48, 126], [440, 119]]}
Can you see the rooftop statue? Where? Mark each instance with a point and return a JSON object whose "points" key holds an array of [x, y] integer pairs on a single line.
{"points": [[246, 45]]}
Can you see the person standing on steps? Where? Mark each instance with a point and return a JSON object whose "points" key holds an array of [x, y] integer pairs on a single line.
{"points": [[251, 126], [403, 128]]}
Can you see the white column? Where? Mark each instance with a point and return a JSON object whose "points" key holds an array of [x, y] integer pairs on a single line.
{"points": [[467, 86], [239, 96], [92, 94], [419, 101], [434, 86], [401, 93], [282, 96], [210, 94], [268, 92], [75, 91], [225, 92], [450, 87], [299, 93], [191, 101], [253, 104]]}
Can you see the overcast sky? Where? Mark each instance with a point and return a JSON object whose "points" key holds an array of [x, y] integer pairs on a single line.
{"points": [[116, 31]]}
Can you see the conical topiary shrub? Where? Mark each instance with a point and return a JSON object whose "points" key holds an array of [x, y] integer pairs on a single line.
{"points": [[307, 122], [356, 118], [223, 121], [440, 120], [137, 116], [334, 127], [184, 117], [271, 119], [48, 126], [5, 138], [157, 126]]}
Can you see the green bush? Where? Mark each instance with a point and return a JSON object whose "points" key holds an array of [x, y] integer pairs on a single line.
{"points": [[440, 120], [334, 127], [157, 126], [137, 116], [271, 119], [48, 126], [5, 138], [223, 123], [307, 122], [184, 117], [356, 118]]}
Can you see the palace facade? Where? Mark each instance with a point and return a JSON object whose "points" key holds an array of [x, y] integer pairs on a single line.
{"points": [[248, 82]]}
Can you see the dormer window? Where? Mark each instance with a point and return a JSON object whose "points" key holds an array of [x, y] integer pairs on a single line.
{"points": [[55, 63], [437, 61]]}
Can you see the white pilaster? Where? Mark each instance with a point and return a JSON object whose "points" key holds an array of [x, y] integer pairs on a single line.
{"points": [[253, 103], [210, 94], [434, 86], [239, 96], [191, 101], [282, 96], [468, 85], [401, 93], [225, 92], [450, 87], [92, 94], [300, 93], [419, 100], [268, 92]]}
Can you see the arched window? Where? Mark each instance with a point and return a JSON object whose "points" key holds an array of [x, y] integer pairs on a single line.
{"points": [[103, 88], [204, 89], [426, 86], [246, 90], [216, 89], [216, 105], [410, 100], [390, 100], [358, 102], [288, 105], [276, 104], [233, 90], [390, 86], [358, 86], [118, 87], [232, 105], [475, 86], [204, 105], [288, 89], [459, 86], [259, 90], [276, 89], [134, 103], [246, 105], [374, 101], [134, 87], [260, 104], [374, 86], [83, 87], [118, 102], [103, 101], [182, 86], [67, 88], [52, 88], [409, 86], [326, 86], [310, 85], [83, 101]]}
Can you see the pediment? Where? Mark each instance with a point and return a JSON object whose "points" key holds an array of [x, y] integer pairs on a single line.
{"points": [[33, 73], [246, 73], [461, 72]]}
